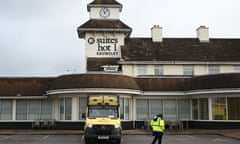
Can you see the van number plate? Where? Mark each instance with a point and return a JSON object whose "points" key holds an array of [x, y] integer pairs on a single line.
{"points": [[103, 137]]}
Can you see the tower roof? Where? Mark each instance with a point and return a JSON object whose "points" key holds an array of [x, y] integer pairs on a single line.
{"points": [[107, 3], [94, 25]]}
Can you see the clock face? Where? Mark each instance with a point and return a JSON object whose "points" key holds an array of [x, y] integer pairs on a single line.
{"points": [[104, 12]]}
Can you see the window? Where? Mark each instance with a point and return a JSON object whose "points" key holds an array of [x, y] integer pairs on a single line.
{"points": [[184, 109], [213, 69], [46, 109], [142, 109], [219, 108], [233, 108], [33, 109], [158, 70], [142, 70], [195, 109], [82, 107], [237, 68], [65, 108], [200, 109], [156, 107], [124, 108], [170, 109], [5, 109], [21, 110], [188, 70], [203, 109]]}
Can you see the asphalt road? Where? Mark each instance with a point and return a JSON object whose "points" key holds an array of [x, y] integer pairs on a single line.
{"points": [[126, 139]]}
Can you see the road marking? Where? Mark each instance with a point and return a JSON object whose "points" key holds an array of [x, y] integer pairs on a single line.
{"points": [[219, 139], [82, 138], [45, 137], [6, 137], [192, 137]]}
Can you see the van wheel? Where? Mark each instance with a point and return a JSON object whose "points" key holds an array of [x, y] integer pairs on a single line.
{"points": [[118, 141], [87, 142]]}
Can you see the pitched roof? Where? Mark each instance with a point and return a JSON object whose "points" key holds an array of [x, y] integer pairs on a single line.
{"points": [[94, 25], [105, 2], [181, 49], [24, 86]]}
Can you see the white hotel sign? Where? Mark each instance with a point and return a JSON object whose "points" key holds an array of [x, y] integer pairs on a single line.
{"points": [[104, 45]]}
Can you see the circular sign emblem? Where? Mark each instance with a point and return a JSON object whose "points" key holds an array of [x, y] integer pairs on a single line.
{"points": [[91, 40]]}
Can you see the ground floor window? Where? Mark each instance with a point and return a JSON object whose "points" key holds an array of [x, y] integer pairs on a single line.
{"points": [[82, 107], [5, 109], [46, 109], [142, 109], [170, 111], [183, 109], [155, 107], [219, 108], [170, 108], [124, 108], [200, 109], [33, 109], [65, 108], [233, 108]]}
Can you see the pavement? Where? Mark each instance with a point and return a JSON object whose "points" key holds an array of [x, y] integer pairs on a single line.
{"points": [[232, 133]]}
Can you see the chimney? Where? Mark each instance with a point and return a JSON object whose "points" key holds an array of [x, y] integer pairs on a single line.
{"points": [[203, 34], [157, 33]]}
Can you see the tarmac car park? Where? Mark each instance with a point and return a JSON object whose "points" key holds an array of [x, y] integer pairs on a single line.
{"points": [[126, 139]]}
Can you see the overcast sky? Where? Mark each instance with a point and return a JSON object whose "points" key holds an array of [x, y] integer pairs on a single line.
{"points": [[39, 37]]}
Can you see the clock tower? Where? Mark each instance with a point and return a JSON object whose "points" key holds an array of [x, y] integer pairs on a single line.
{"points": [[104, 34]]}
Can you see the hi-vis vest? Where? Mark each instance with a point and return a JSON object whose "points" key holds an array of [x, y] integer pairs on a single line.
{"points": [[158, 125]]}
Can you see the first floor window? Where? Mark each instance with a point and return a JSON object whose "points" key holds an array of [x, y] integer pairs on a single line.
{"points": [[65, 108], [214, 69], [188, 70], [5, 109], [237, 68], [158, 70], [142, 70]]}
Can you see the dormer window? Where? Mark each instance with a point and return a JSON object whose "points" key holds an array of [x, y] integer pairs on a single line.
{"points": [[110, 68]]}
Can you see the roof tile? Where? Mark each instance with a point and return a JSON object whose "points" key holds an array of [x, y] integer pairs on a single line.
{"points": [[181, 49]]}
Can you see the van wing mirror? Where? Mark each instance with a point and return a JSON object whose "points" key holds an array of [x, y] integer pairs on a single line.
{"points": [[121, 116], [83, 115]]}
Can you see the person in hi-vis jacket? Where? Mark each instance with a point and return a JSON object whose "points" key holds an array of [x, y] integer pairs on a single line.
{"points": [[158, 127]]}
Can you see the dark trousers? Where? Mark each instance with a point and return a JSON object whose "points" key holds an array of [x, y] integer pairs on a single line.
{"points": [[157, 136]]}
